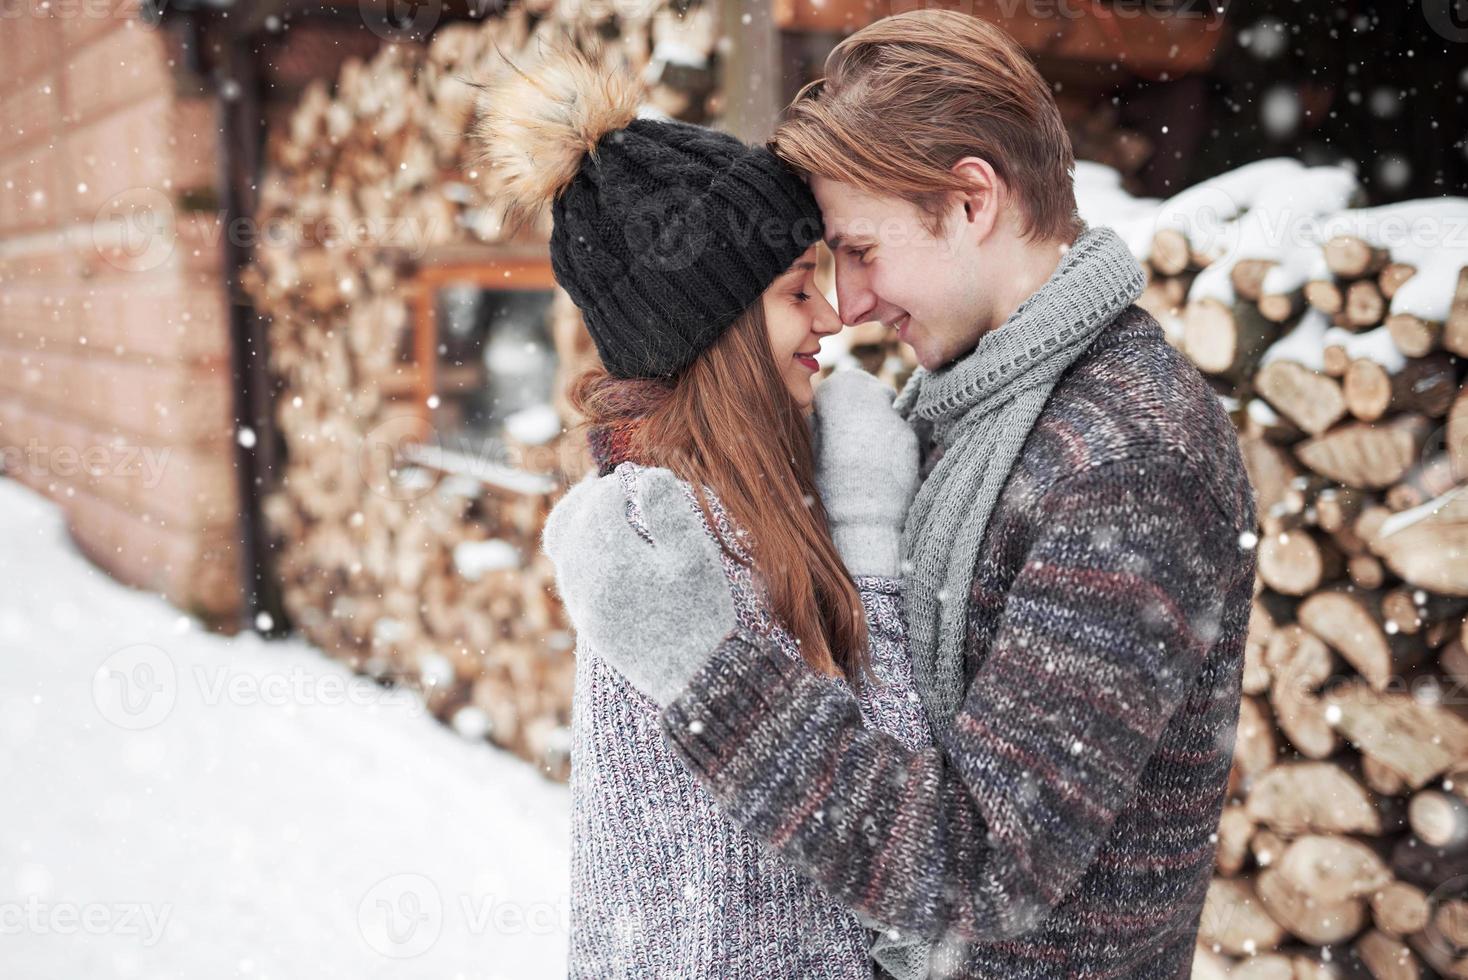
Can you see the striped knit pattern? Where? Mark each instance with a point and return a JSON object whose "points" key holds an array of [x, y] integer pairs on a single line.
{"points": [[1065, 829], [663, 884]]}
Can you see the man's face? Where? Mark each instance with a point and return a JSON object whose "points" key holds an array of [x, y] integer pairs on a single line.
{"points": [[889, 267]]}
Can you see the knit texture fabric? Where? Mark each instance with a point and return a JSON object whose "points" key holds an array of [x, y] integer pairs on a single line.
{"points": [[663, 883], [979, 410], [1063, 828], [667, 233]]}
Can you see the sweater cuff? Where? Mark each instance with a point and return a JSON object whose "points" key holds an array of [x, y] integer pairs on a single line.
{"points": [[726, 701], [879, 584]]}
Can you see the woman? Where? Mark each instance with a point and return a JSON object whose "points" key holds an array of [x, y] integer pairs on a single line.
{"points": [[692, 258]]}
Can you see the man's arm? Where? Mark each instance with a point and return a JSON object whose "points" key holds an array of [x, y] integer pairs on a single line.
{"points": [[1103, 634]]}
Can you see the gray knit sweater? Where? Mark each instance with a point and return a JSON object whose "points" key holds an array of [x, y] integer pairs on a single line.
{"points": [[662, 883]]}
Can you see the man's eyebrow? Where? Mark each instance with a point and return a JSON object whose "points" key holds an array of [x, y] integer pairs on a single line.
{"points": [[835, 242]]}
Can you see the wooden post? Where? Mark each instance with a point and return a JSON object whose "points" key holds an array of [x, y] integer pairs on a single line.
{"points": [[752, 70]]}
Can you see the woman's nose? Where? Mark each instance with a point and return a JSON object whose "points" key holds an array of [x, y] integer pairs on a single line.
{"points": [[825, 321]]}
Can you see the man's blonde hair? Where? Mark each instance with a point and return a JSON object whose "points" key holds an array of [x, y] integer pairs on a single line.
{"points": [[910, 95]]}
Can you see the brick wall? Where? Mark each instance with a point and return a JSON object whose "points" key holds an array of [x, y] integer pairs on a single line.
{"points": [[115, 392]]}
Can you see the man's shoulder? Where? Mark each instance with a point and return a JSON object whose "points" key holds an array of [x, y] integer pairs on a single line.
{"points": [[1132, 396]]}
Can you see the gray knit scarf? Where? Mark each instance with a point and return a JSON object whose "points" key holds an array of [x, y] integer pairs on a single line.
{"points": [[979, 411]]}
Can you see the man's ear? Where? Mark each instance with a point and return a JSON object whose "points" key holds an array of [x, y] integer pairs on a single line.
{"points": [[980, 202]]}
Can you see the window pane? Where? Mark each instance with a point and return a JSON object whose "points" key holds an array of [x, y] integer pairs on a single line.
{"points": [[495, 358]]}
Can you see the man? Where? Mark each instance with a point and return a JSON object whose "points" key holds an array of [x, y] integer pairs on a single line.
{"points": [[1077, 559]]}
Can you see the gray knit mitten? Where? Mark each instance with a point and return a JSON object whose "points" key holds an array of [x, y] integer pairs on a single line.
{"points": [[866, 470], [655, 610]]}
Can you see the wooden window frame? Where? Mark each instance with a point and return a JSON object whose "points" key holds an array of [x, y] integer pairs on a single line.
{"points": [[489, 269]]}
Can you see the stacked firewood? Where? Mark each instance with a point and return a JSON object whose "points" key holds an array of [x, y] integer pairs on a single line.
{"points": [[1334, 335], [416, 566]]}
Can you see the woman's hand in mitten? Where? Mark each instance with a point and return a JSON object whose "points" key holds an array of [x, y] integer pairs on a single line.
{"points": [[653, 609], [866, 470]]}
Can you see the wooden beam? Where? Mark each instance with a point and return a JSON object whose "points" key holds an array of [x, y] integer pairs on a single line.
{"points": [[750, 69]]}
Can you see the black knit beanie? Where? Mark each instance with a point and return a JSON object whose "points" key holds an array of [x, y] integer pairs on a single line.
{"points": [[664, 232]]}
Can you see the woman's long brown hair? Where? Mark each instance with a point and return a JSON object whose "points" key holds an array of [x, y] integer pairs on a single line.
{"points": [[728, 423]]}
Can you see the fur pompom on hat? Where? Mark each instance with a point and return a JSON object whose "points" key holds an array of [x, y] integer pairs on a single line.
{"points": [[536, 129], [664, 232]]}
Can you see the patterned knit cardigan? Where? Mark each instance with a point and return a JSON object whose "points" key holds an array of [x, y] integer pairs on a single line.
{"points": [[663, 884], [1066, 826]]}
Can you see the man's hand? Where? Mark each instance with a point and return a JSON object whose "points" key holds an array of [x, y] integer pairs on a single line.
{"points": [[866, 470], [653, 609]]}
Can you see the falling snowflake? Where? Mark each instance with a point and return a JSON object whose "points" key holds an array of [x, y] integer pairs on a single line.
{"points": [[1280, 111]]}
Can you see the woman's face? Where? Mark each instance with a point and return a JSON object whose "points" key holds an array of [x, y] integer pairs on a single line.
{"points": [[797, 316]]}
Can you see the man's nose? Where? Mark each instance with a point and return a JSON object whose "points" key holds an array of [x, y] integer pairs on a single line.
{"points": [[854, 300]]}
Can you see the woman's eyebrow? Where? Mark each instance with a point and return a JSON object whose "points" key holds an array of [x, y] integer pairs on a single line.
{"points": [[799, 267]]}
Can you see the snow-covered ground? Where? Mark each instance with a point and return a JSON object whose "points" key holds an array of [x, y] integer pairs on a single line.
{"points": [[177, 804]]}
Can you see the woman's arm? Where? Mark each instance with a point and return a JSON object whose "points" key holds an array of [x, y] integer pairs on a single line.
{"points": [[890, 703]]}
